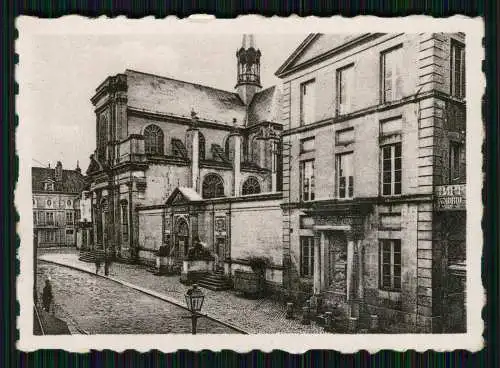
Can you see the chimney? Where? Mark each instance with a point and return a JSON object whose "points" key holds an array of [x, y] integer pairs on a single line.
{"points": [[59, 171], [78, 170]]}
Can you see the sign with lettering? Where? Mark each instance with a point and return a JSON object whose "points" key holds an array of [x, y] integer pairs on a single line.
{"points": [[449, 197]]}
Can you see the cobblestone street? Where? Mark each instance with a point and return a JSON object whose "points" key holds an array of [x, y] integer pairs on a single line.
{"points": [[251, 315], [98, 306]]}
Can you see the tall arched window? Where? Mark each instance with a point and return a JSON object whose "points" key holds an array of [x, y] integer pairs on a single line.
{"points": [[102, 138], [153, 140], [213, 186], [251, 186], [201, 146]]}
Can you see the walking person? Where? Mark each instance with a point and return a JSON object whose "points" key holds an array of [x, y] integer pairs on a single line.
{"points": [[47, 296], [97, 265]]}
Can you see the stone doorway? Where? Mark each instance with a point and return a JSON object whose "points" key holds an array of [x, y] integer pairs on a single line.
{"points": [[181, 238], [220, 248], [336, 266]]}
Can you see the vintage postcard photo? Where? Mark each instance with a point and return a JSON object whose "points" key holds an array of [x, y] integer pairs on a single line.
{"points": [[256, 183]]}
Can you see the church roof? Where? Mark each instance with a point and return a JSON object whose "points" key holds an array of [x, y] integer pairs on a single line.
{"points": [[164, 95], [264, 106], [72, 180]]}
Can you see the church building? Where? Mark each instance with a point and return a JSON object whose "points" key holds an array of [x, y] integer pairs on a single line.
{"points": [[178, 161]]}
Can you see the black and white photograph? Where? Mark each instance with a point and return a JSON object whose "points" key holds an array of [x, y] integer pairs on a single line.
{"points": [[291, 184]]}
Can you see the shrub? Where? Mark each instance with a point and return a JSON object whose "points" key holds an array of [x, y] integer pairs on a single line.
{"points": [[258, 264], [162, 251]]}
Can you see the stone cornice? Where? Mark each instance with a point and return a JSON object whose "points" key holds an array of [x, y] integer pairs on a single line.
{"points": [[333, 204], [373, 109]]}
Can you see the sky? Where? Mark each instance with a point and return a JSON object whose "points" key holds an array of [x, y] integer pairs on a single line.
{"points": [[62, 72]]}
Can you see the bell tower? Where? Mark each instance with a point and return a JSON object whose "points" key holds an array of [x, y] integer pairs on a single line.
{"points": [[248, 56]]}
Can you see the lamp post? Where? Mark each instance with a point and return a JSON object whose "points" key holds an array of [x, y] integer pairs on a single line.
{"points": [[194, 300]]}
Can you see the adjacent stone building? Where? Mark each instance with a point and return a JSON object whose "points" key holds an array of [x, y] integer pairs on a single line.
{"points": [[56, 205], [374, 176], [175, 161]]}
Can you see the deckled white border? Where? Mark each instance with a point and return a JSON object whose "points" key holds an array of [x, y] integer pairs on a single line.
{"points": [[472, 340]]}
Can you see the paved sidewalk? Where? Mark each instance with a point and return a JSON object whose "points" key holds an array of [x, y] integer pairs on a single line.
{"points": [[251, 315]]}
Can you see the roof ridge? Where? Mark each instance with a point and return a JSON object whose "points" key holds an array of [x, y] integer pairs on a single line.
{"points": [[183, 81]]}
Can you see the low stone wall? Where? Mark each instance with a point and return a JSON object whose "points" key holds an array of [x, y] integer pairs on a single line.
{"points": [[193, 270], [147, 257]]}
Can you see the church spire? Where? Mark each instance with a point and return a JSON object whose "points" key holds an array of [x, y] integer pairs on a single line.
{"points": [[248, 78]]}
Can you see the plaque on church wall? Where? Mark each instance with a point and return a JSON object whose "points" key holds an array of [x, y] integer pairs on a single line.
{"points": [[220, 225]]}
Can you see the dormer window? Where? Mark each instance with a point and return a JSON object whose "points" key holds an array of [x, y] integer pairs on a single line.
{"points": [[48, 186]]}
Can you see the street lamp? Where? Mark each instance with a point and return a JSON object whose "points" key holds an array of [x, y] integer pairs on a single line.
{"points": [[194, 300]]}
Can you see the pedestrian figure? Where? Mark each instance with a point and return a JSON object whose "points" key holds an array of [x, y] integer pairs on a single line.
{"points": [[47, 295], [97, 265], [106, 266]]}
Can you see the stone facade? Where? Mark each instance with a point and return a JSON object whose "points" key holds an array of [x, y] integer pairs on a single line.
{"points": [[158, 137], [360, 173], [56, 210]]}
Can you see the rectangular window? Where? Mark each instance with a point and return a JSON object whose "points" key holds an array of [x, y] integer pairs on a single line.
{"points": [[345, 175], [345, 79], [307, 180], [124, 222], [307, 99], [391, 169], [390, 264], [50, 236], [343, 137], [391, 75], [50, 218], [306, 256], [69, 218], [307, 145], [455, 155], [35, 217], [457, 69]]}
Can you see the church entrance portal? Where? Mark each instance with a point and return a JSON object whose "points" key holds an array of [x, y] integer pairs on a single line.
{"points": [[181, 237]]}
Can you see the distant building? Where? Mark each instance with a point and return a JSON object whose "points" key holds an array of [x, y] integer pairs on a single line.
{"points": [[56, 209], [374, 176]]}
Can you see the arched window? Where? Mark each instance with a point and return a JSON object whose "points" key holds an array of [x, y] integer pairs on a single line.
{"points": [[153, 140], [102, 138], [251, 186], [201, 146], [213, 186]]}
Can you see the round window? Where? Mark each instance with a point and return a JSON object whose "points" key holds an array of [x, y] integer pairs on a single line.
{"points": [[68, 202], [49, 202]]}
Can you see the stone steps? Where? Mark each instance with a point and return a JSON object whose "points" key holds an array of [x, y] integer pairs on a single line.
{"points": [[215, 281], [91, 256]]}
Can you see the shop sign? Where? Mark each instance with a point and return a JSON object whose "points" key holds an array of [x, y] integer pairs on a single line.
{"points": [[450, 197]]}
